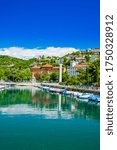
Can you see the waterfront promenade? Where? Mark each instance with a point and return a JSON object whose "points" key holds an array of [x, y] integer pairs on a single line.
{"points": [[56, 85], [73, 88]]}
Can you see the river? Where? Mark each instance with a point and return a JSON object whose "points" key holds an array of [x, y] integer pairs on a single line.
{"points": [[31, 119]]}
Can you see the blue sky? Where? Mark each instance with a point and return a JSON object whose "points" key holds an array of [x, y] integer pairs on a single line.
{"points": [[45, 23]]}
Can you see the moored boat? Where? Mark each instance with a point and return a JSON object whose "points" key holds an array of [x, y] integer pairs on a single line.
{"points": [[95, 98], [55, 90], [46, 89], [85, 96], [77, 94]]}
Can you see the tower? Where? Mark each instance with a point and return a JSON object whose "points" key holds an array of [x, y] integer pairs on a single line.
{"points": [[60, 72]]}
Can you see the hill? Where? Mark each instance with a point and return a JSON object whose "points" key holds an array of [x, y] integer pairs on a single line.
{"points": [[15, 69]]}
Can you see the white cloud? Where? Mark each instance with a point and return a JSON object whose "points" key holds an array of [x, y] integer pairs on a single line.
{"points": [[24, 53]]}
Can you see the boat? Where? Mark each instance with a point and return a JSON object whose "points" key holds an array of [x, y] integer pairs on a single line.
{"points": [[77, 94], [55, 90], [85, 96], [46, 89], [61, 91], [95, 98], [68, 92]]}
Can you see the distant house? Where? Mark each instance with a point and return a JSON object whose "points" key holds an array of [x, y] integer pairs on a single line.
{"points": [[93, 58], [46, 69], [80, 59], [74, 67], [95, 51]]}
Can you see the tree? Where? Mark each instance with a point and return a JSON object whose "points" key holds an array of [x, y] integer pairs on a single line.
{"points": [[64, 77], [94, 70], [87, 57], [1, 73], [15, 69], [45, 77], [82, 76], [54, 76], [24, 74], [72, 81]]}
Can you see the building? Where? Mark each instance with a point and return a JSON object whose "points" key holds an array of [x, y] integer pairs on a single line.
{"points": [[93, 58], [74, 66], [94, 50], [58, 61], [46, 69], [80, 59]]}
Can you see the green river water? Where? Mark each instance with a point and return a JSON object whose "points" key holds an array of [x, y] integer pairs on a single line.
{"points": [[31, 119]]}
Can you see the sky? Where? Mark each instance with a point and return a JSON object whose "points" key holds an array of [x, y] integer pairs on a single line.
{"points": [[32, 25]]}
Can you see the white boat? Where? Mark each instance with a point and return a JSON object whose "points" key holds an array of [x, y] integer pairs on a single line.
{"points": [[84, 96], [77, 94], [69, 92], [83, 99], [56, 90]]}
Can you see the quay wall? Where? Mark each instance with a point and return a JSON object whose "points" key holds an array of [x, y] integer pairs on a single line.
{"points": [[70, 88]]}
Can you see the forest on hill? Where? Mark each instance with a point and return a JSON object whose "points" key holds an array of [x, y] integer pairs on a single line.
{"points": [[14, 69]]}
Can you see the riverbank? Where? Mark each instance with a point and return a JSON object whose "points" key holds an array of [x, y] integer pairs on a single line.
{"points": [[56, 85], [72, 88], [68, 88]]}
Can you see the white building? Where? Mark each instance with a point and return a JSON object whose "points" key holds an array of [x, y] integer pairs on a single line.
{"points": [[74, 66], [80, 59]]}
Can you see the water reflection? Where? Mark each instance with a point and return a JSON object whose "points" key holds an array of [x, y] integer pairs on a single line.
{"points": [[32, 101]]}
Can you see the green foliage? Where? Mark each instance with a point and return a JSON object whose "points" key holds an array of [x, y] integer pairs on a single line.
{"points": [[91, 74], [45, 77], [64, 77], [94, 71], [66, 63], [87, 76], [54, 76], [76, 53], [72, 81], [14, 69], [87, 57], [1, 73]]}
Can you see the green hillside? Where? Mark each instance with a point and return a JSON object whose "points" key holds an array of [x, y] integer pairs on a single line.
{"points": [[15, 69]]}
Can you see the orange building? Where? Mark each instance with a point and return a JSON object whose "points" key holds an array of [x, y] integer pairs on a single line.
{"points": [[46, 69]]}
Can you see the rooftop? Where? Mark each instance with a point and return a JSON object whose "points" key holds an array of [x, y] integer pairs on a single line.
{"points": [[47, 66], [80, 65]]}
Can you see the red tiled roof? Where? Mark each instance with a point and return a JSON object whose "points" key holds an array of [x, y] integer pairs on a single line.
{"points": [[47, 66], [80, 65], [55, 67]]}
